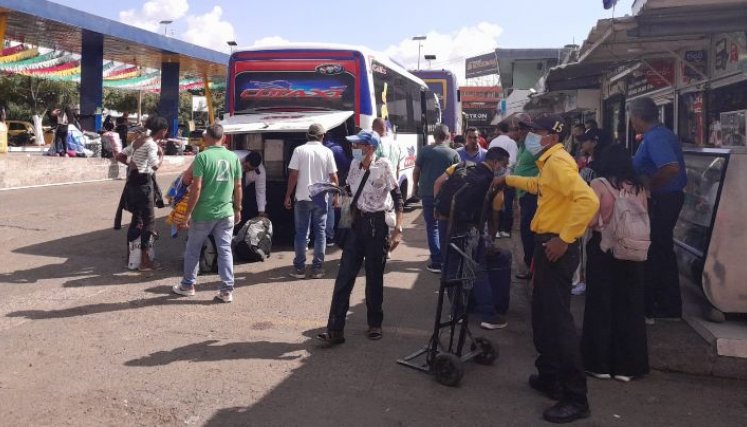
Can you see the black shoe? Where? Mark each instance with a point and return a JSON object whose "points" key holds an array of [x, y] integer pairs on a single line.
{"points": [[549, 389], [525, 276], [331, 338], [566, 412]]}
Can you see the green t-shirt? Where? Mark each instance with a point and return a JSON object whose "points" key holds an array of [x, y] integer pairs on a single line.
{"points": [[526, 165], [433, 161], [220, 170]]}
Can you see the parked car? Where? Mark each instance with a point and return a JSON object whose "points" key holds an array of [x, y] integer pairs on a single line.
{"points": [[20, 132]]}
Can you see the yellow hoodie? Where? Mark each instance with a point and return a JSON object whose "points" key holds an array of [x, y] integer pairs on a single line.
{"points": [[566, 204]]}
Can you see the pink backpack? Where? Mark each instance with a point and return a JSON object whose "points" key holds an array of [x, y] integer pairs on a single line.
{"points": [[628, 233]]}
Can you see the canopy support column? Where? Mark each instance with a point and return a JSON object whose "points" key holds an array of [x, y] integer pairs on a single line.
{"points": [[168, 105], [91, 80]]}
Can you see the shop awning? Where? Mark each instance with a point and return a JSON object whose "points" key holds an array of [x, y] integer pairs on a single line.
{"points": [[283, 122]]}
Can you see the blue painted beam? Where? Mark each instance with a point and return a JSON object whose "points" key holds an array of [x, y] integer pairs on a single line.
{"points": [[79, 19], [91, 80], [168, 104]]}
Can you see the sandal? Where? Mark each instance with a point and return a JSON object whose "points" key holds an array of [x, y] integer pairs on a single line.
{"points": [[154, 266], [331, 338], [374, 334]]}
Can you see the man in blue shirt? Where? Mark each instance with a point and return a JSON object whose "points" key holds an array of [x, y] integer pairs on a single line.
{"points": [[660, 162], [472, 152]]}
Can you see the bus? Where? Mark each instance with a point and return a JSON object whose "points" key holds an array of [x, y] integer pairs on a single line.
{"points": [[273, 94], [444, 84]]}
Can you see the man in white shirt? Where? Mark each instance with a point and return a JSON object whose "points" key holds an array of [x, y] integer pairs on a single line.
{"points": [[254, 173], [310, 163], [505, 141]]}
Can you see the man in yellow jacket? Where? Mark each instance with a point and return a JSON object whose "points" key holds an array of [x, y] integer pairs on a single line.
{"points": [[566, 205]]}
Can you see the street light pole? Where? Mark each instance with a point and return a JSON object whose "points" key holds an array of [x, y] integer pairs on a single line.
{"points": [[232, 44], [166, 24], [430, 58], [419, 39]]}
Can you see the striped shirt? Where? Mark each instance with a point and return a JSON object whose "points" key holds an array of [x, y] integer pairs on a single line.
{"points": [[145, 157]]}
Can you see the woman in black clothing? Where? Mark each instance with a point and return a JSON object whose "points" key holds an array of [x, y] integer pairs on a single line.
{"points": [[614, 333]]}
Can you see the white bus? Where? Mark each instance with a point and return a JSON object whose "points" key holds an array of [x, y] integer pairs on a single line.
{"points": [[273, 94]]}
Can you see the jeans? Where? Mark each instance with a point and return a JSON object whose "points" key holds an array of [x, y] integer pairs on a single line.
{"points": [[528, 204], [332, 218], [307, 214], [222, 232], [506, 223], [368, 241], [492, 291], [555, 336], [431, 230], [662, 286], [139, 192]]}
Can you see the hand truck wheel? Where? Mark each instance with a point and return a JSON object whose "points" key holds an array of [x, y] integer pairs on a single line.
{"points": [[488, 353], [448, 369]]}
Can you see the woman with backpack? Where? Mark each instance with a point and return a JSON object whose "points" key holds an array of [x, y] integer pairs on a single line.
{"points": [[614, 343]]}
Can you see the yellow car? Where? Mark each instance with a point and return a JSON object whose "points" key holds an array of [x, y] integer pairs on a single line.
{"points": [[20, 133]]}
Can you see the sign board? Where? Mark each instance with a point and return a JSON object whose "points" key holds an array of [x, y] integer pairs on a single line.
{"points": [[697, 59], [657, 74], [483, 65], [479, 118], [726, 51], [199, 104]]}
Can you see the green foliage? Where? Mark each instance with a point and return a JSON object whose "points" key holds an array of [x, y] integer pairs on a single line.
{"points": [[25, 96]]}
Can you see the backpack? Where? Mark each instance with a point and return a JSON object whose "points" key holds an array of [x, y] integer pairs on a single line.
{"points": [[628, 234], [253, 242], [456, 181]]}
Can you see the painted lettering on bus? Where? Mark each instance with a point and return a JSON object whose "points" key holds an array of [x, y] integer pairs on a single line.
{"points": [[336, 93]]}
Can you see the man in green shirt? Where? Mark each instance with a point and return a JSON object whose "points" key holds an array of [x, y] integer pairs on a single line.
{"points": [[214, 207], [526, 165]]}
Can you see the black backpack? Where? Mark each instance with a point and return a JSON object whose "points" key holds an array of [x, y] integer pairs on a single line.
{"points": [[253, 242], [456, 181]]}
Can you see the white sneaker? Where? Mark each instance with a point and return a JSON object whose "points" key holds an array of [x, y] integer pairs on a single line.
{"points": [[578, 289], [598, 375], [177, 289], [623, 378], [135, 256], [491, 326], [505, 234], [224, 297], [650, 321]]}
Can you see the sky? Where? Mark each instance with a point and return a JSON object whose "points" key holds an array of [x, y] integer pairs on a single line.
{"points": [[455, 29]]}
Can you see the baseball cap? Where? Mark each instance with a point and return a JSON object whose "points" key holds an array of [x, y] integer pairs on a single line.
{"points": [[523, 120], [366, 137], [590, 135], [552, 123], [316, 129]]}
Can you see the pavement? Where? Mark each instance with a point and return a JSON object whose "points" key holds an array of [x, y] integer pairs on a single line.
{"points": [[83, 342]]}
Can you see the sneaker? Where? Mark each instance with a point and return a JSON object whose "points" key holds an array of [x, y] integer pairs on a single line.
{"points": [[189, 292], [330, 243], [298, 273], [224, 297], [524, 276], [650, 321], [434, 268], [505, 234], [578, 289], [317, 274], [498, 235], [598, 375], [623, 378], [566, 412], [499, 323]]}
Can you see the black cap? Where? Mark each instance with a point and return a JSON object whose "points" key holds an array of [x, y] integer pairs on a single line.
{"points": [[590, 135]]}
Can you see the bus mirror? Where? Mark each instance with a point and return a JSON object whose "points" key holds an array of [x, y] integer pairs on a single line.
{"points": [[459, 95]]}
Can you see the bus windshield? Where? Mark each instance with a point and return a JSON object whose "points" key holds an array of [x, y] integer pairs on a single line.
{"points": [[320, 88]]}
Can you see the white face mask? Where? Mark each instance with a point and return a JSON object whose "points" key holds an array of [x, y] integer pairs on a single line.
{"points": [[357, 154], [533, 143]]}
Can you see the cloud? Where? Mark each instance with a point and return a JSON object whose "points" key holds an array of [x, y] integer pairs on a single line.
{"points": [[154, 11], [209, 30], [450, 48]]}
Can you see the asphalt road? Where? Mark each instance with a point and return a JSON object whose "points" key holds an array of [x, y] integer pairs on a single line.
{"points": [[83, 342]]}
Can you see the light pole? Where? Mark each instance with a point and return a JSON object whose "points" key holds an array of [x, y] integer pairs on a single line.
{"points": [[232, 44], [419, 39], [430, 58], [166, 24]]}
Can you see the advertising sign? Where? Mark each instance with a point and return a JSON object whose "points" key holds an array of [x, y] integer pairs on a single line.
{"points": [[483, 65], [480, 118], [726, 51], [647, 79], [694, 60]]}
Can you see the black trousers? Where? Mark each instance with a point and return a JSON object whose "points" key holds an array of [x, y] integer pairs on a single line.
{"points": [[368, 241], [141, 202], [555, 335], [662, 285], [60, 139], [614, 336], [528, 207]]}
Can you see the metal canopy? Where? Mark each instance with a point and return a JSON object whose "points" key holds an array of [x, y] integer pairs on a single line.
{"points": [[47, 24]]}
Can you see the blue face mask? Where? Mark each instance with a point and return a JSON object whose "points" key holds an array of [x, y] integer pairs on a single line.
{"points": [[533, 143], [357, 154]]}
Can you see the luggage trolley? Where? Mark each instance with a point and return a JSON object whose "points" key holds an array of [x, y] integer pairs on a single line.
{"points": [[445, 356]]}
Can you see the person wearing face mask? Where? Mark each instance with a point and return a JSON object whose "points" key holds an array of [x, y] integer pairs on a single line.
{"points": [[565, 207], [369, 239], [525, 166]]}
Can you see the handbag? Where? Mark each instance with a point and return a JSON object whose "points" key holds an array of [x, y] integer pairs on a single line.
{"points": [[348, 207]]}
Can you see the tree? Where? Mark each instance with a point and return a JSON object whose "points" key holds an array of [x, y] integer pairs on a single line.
{"points": [[24, 96]]}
